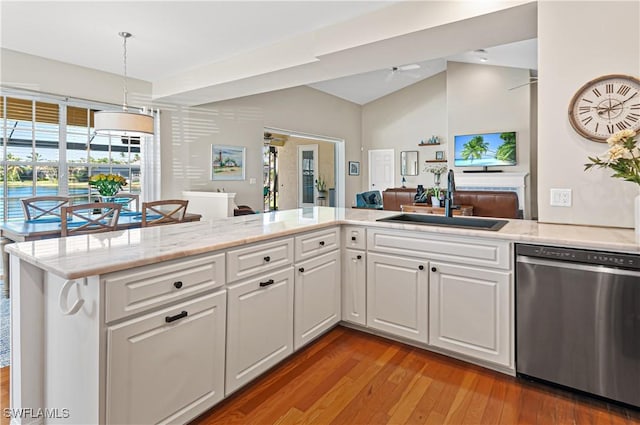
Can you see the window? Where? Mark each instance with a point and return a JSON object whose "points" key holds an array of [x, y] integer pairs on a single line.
{"points": [[34, 161]]}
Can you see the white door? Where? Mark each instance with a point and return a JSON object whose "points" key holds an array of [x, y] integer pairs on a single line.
{"points": [[381, 169], [398, 295], [469, 311], [259, 325], [307, 175], [186, 343], [317, 297]]}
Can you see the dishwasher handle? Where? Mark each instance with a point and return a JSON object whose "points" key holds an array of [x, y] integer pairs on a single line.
{"points": [[575, 266]]}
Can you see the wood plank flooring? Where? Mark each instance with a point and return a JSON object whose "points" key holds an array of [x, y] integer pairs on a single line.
{"points": [[350, 378]]}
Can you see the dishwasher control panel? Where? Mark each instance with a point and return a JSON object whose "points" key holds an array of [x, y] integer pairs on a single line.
{"points": [[627, 261]]}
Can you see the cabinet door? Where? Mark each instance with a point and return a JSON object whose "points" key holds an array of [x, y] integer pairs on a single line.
{"points": [[259, 326], [397, 295], [317, 297], [167, 366], [354, 287], [470, 311]]}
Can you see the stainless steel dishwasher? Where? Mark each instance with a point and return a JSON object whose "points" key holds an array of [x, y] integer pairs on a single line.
{"points": [[578, 320]]}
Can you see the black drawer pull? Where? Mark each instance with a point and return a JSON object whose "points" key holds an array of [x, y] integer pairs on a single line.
{"points": [[170, 319], [353, 238], [359, 257], [267, 283], [421, 267], [267, 258], [301, 269], [177, 284], [321, 243], [433, 269]]}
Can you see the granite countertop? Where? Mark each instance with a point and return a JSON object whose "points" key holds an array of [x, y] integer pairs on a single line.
{"points": [[87, 255]]}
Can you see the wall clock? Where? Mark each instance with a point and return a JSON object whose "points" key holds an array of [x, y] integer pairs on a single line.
{"points": [[606, 105]]}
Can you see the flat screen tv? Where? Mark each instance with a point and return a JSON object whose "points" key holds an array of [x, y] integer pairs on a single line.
{"points": [[485, 149]]}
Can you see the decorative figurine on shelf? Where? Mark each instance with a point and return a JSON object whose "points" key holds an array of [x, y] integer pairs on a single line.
{"points": [[434, 140], [404, 182]]}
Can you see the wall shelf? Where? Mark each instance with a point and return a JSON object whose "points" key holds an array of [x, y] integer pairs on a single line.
{"points": [[428, 144], [435, 160]]}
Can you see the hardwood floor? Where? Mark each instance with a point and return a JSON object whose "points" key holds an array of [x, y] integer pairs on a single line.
{"points": [[349, 378]]}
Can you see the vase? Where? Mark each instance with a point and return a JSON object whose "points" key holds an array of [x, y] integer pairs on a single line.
{"points": [[107, 198], [436, 179], [435, 202]]}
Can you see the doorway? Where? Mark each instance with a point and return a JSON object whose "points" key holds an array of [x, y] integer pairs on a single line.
{"points": [[301, 161]]}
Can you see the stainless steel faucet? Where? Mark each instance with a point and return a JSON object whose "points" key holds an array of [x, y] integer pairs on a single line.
{"points": [[448, 200]]}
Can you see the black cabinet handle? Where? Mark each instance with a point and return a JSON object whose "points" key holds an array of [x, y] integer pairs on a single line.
{"points": [[359, 257], [301, 269], [170, 319], [353, 238], [177, 284], [421, 267], [267, 258], [267, 283], [433, 269], [321, 243]]}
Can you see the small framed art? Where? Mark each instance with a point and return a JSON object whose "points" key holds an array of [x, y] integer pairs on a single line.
{"points": [[227, 162], [439, 155], [354, 168]]}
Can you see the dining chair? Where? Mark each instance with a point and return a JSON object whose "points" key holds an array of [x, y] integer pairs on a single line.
{"points": [[160, 212], [43, 207], [127, 200], [81, 219]]}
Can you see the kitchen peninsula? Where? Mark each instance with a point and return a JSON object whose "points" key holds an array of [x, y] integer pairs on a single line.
{"points": [[96, 317]]}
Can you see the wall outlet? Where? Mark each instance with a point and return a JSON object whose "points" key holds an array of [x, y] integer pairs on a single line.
{"points": [[560, 197]]}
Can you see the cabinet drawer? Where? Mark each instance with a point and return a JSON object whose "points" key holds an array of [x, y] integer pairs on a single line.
{"points": [[258, 258], [436, 246], [354, 237], [312, 244], [142, 288], [167, 366]]}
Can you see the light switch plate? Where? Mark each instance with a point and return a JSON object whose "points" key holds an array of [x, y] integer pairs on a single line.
{"points": [[560, 197], [252, 180]]}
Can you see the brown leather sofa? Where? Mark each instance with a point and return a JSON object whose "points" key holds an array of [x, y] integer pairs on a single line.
{"points": [[485, 203]]}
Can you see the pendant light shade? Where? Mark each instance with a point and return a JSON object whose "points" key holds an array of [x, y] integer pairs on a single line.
{"points": [[125, 122], [116, 123]]}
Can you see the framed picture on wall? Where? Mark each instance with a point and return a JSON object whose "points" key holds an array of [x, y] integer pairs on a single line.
{"points": [[227, 162], [439, 155], [354, 168]]}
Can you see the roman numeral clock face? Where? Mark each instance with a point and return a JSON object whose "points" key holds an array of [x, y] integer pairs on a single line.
{"points": [[606, 105]]}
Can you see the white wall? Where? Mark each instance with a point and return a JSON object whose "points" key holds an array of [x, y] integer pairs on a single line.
{"points": [[401, 120], [578, 42], [479, 101], [19, 70], [187, 135]]}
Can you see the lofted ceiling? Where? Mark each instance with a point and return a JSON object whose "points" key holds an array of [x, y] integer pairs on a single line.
{"points": [[196, 52]]}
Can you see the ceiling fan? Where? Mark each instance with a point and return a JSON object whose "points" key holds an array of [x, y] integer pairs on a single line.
{"points": [[532, 80], [274, 140], [405, 70]]}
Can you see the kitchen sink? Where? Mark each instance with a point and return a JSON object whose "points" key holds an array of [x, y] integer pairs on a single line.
{"points": [[439, 220]]}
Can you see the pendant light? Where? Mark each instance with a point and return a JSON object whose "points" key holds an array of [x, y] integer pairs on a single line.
{"points": [[126, 123]]}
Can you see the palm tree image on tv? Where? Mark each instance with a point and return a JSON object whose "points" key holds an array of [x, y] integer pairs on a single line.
{"points": [[490, 149], [474, 148], [507, 150]]}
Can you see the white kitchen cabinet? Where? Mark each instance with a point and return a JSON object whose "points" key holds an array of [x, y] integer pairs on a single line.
{"points": [[397, 295], [167, 366], [470, 311], [317, 297], [354, 286], [312, 244], [259, 326]]}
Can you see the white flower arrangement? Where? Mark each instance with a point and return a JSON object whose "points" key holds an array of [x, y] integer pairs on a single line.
{"points": [[435, 168], [623, 157]]}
